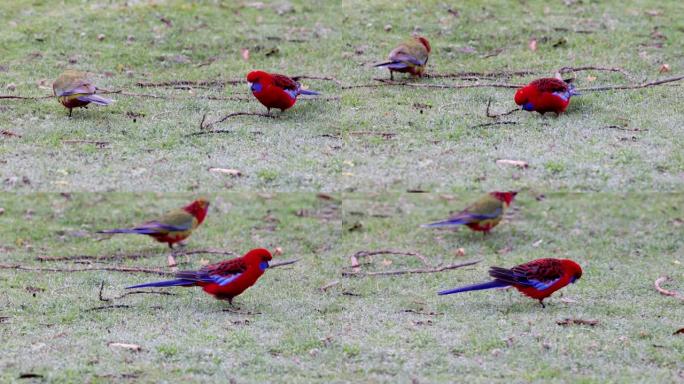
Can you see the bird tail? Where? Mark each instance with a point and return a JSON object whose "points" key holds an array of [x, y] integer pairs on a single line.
{"points": [[308, 92], [476, 287], [391, 65], [135, 231], [168, 283], [97, 99], [446, 223]]}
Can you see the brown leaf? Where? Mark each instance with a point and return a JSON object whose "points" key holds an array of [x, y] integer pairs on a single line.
{"points": [[680, 331], [460, 252], [245, 54], [532, 45], [664, 68]]}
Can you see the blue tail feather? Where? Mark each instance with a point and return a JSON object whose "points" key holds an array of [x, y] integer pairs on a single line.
{"points": [[476, 287], [168, 283], [135, 231], [308, 92], [446, 223]]}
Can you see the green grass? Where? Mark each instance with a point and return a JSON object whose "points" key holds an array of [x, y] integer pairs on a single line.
{"points": [[608, 198], [436, 149], [380, 329]]}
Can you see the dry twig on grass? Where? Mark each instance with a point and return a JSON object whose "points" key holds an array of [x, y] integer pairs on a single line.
{"points": [[489, 103], [94, 269], [212, 251], [593, 68], [9, 133], [357, 272], [658, 286], [417, 255], [494, 123], [635, 86], [205, 127]]}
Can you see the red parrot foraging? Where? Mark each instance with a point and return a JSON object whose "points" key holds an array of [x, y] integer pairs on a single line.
{"points": [[546, 95], [73, 90], [173, 227], [537, 279], [274, 90], [410, 56], [483, 215], [223, 280]]}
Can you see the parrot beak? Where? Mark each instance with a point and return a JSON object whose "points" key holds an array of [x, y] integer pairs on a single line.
{"points": [[249, 84]]}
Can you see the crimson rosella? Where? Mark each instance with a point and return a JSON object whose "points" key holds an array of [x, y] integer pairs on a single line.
{"points": [[410, 56], [274, 90], [223, 280], [537, 279], [74, 90], [546, 95], [483, 215], [173, 227]]}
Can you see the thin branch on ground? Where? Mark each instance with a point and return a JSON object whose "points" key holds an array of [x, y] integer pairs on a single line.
{"points": [[450, 86], [282, 263], [99, 144], [658, 286], [624, 129], [12, 97], [495, 123], [94, 269], [193, 83], [324, 78], [108, 307], [205, 127], [636, 86], [417, 255], [480, 74], [409, 271], [387, 135], [489, 103], [124, 256], [593, 68]]}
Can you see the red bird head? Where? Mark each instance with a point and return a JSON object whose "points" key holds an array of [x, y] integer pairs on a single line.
{"points": [[572, 268], [506, 197], [198, 208], [522, 95], [258, 256], [425, 42], [258, 77]]}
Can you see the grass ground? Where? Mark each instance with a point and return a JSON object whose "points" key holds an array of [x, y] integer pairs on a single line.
{"points": [[603, 186], [378, 329], [315, 146]]}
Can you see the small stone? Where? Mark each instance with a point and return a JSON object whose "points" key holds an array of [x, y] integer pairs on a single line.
{"points": [[11, 87], [388, 27], [101, 36]]}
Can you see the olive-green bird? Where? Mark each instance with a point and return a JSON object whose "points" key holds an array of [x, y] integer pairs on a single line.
{"points": [[73, 90], [410, 56], [483, 215]]}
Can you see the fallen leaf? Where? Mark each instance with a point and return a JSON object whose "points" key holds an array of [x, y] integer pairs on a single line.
{"points": [[226, 171], [386, 262], [517, 163], [537, 243], [171, 261], [680, 331], [591, 78], [460, 252], [278, 251], [664, 68], [567, 300], [532, 45], [355, 264], [245, 54], [132, 347]]}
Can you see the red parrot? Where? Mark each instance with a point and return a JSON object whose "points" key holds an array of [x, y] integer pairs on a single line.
{"points": [[410, 56], [173, 227], [274, 90], [73, 90], [537, 279], [223, 280], [483, 215], [546, 95]]}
